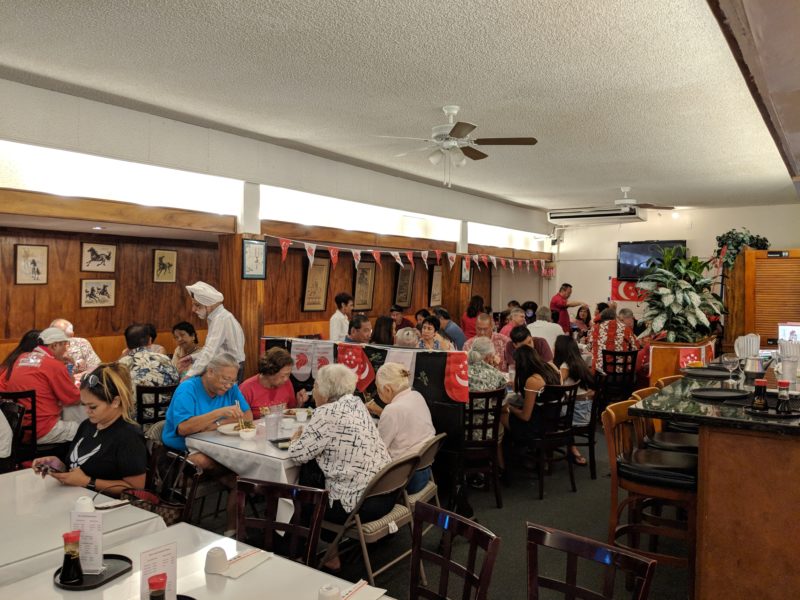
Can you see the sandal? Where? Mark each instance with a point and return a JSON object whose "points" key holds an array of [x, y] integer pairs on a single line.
{"points": [[578, 459]]}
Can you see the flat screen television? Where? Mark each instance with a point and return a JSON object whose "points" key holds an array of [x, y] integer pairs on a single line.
{"points": [[633, 258]]}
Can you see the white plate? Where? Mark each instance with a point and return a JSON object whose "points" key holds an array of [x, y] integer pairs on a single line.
{"points": [[228, 429]]}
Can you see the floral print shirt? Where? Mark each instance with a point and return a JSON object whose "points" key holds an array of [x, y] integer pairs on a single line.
{"points": [[81, 354], [347, 446], [149, 369], [500, 343]]}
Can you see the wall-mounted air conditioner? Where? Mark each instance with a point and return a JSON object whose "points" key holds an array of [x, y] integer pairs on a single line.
{"points": [[596, 216]]}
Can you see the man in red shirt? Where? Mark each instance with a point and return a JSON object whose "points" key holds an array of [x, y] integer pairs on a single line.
{"points": [[43, 370], [560, 302], [516, 317]]}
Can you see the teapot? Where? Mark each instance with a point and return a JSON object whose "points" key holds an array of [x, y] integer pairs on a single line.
{"points": [[756, 366]]}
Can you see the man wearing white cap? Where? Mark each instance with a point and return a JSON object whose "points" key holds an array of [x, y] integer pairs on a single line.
{"points": [[79, 350], [225, 335], [43, 370]]}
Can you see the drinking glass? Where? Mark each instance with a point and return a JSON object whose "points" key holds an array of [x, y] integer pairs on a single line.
{"points": [[731, 362]]}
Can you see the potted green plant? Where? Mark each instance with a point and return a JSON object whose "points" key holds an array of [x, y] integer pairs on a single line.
{"points": [[679, 300], [730, 243]]}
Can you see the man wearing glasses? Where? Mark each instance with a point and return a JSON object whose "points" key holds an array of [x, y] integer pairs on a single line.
{"points": [[202, 404]]}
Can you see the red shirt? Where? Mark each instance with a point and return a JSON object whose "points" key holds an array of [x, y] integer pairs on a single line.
{"points": [[559, 303], [258, 396], [43, 373], [468, 325], [610, 335]]}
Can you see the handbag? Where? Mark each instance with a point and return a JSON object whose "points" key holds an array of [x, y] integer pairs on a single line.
{"points": [[171, 512], [164, 500]]}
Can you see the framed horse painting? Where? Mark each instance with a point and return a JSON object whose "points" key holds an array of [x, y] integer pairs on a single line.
{"points": [[98, 257], [165, 266]]}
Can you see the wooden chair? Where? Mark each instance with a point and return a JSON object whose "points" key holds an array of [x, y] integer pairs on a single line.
{"points": [[152, 403], [427, 454], [13, 413], [476, 579], [555, 408], [655, 437], [29, 448], [619, 375], [393, 478], [665, 381], [649, 476], [645, 393], [301, 532], [574, 546], [482, 436]]}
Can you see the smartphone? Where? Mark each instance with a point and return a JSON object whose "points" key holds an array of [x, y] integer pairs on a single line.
{"points": [[282, 443], [47, 469]]}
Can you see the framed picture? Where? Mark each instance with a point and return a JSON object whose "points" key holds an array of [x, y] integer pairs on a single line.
{"points": [[165, 265], [405, 284], [98, 257], [364, 286], [466, 270], [315, 295], [31, 264], [254, 259], [436, 286], [97, 293]]}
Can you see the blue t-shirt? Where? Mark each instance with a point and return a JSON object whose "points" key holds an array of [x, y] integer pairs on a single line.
{"points": [[192, 400], [455, 333]]}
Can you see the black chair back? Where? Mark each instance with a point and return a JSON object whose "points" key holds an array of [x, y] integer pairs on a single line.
{"points": [[482, 417], [476, 578], [640, 568], [152, 403], [13, 413], [301, 533], [556, 406], [619, 374]]}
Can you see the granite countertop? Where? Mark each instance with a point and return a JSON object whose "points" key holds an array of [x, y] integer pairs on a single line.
{"points": [[675, 403]]}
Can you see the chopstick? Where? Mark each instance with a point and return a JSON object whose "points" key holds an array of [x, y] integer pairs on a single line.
{"points": [[352, 590], [241, 420], [243, 555]]}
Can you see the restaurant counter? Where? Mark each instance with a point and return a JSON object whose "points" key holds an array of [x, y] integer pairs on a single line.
{"points": [[748, 492]]}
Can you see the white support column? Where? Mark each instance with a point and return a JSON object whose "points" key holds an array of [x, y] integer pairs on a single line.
{"points": [[462, 247], [248, 221]]}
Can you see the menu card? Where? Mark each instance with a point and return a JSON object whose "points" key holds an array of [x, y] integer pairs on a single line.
{"points": [[90, 525], [163, 559]]}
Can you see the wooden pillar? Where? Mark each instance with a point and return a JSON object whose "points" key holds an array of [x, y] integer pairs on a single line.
{"points": [[243, 297]]}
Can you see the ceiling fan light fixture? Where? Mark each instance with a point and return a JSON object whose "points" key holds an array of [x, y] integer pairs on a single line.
{"points": [[435, 157], [457, 157]]}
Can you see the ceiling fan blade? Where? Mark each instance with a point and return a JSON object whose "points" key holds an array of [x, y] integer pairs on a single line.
{"points": [[462, 129], [521, 141], [397, 137], [473, 153]]}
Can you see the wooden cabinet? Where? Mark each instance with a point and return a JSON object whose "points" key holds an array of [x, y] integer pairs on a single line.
{"points": [[760, 292]]}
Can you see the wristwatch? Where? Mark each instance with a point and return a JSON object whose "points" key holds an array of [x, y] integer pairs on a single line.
{"points": [[92, 485]]}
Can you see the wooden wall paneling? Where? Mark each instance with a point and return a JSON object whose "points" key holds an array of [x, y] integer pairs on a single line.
{"points": [[243, 297], [777, 286], [734, 303], [138, 298], [37, 204]]}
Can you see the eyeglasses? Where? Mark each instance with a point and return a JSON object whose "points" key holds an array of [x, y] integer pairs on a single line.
{"points": [[225, 380]]}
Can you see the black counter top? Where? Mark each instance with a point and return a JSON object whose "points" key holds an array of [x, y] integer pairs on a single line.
{"points": [[675, 403]]}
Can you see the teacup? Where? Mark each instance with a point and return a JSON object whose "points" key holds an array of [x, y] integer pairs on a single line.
{"points": [[216, 560], [247, 434], [288, 422], [301, 414]]}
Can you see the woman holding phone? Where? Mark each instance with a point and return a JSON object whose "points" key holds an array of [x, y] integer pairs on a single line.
{"points": [[108, 453]]}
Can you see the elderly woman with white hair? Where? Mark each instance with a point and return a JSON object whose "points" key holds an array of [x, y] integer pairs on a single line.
{"points": [[406, 420], [346, 445], [407, 337], [483, 376]]}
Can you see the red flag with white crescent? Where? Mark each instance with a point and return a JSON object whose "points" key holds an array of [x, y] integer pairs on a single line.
{"points": [[424, 255], [451, 258], [410, 257], [376, 254], [456, 377], [439, 257], [310, 250], [284, 247], [356, 257], [626, 291], [334, 252], [303, 355], [355, 359], [323, 356]]}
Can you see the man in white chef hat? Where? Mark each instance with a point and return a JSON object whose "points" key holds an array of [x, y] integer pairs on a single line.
{"points": [[225, 334]]}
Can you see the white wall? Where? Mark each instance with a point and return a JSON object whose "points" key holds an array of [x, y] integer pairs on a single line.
{"points": [[520, 286], [37, 116], [588, 255]]}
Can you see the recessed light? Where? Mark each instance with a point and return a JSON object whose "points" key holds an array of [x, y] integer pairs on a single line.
{"points": [[98, 228], [676, 215]]}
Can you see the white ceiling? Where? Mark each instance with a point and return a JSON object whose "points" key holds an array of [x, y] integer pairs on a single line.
{"points": [[618, 92]]}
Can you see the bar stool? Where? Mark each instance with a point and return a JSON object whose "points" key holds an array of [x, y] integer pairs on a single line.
{"points": [[650, 477], [658, 439]]}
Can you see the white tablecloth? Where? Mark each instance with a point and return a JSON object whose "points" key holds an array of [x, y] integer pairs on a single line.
{"points": [[256, 458], [34, 512], [274, 578], [76, 413]]}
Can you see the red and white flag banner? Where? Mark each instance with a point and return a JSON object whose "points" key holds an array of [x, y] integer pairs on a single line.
{"points": [[439, 257], [284, 247], [528, 264], [476, 261], [310, 250], [511, 264], [397, 259], [502, 262], [376, 254], [451, 258], [334, 252], [494, 261], [356, 256], [424, 255], [410, 257]]}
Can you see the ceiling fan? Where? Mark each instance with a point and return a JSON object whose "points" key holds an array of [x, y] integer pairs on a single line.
{"points": [[625, 201], [452, 143]]}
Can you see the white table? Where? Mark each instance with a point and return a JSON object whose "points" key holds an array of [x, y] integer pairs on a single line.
{"points": [[257, 458], [34, 512], [75, 412], [274, 578]]}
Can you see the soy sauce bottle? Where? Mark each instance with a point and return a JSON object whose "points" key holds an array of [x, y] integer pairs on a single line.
{"points": [[158, 586], [71, 571], [760, 396], [783, 405]]}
